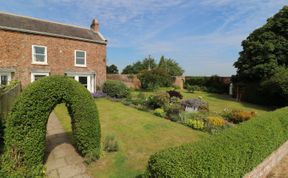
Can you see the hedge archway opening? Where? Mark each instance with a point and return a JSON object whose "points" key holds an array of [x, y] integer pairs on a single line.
{"points": [[25, 132]]}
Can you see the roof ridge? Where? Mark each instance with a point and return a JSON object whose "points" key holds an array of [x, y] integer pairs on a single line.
{"points": [[34, 18]]}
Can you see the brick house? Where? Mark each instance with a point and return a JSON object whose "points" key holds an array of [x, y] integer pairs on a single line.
{"points": [[32, 48]]}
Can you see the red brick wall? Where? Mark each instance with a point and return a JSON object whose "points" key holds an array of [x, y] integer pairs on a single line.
{"points": [[16, 51], [130, 81]]}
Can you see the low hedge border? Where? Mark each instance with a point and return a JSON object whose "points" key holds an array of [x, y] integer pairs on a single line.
{"points": [[232, 153], [25, 132]]}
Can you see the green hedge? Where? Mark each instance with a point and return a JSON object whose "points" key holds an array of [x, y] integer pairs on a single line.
{"points": [[213, 84], [233, 153], [25, 131], [116, 89]]}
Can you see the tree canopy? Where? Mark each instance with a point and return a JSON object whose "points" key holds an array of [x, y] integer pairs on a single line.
{"points": [[137, 67], [168, 65], [265, 50], [112, 69], [262, 65]]}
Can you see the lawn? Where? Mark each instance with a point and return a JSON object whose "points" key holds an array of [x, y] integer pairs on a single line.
{"points": [[140, 134], [217, 102]]}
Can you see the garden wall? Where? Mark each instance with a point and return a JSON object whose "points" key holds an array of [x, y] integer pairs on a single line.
{"points": [[130, 81], [263, 169], [7, 99]]}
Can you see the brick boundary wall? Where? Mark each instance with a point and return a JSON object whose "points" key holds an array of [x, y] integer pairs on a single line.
{"points": [[130, 81], [263, 169]]}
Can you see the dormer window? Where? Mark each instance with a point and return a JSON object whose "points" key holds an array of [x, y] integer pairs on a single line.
{"points": [[39, 54], [80, 58]]}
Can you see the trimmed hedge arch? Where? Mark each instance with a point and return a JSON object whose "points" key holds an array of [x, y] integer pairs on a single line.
{"points": [[26, 125]]}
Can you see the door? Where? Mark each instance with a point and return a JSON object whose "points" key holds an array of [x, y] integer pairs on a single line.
{"points": [[85, 80]]}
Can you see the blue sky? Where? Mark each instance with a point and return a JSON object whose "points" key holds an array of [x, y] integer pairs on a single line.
{"points": [[203, 36]]}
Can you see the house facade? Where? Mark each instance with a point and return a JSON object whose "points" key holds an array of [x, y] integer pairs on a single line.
{"points": [[32, 48]]}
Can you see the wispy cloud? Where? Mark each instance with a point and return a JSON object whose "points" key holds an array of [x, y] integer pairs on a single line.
{"points": [[202, 33]]}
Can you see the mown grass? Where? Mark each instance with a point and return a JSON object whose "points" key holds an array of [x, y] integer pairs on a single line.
{"points": [[140, 134]]}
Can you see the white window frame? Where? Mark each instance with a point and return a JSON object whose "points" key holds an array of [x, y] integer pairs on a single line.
{"points": [[8, 77], [33, 55], [75, 57], [38, 73]]}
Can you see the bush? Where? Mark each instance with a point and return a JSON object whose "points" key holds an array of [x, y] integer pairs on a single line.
{"points": [[237, 116], [213, 84], [158, 100], [116, 89], [216, 121], [195, 124], [155, 78], [26, 124], [174, 93], [173, 111], [232, 153], [195, 103], [111, 144], [193, 88], [159, 112]]}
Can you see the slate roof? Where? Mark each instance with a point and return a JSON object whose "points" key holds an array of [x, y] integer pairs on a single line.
{"points": [[42, 27]]}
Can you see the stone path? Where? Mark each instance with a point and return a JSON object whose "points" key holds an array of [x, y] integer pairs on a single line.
{"points": [[280, 170], [62, 160]]}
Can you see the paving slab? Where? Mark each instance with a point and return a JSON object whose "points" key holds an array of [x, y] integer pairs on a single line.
{"points": [[62, 160]]}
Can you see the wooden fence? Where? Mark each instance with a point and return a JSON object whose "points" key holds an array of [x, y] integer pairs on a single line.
{"points": [[7, 100]]}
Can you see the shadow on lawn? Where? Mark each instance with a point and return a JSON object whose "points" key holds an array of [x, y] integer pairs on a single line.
{"points": [[245, 104]]}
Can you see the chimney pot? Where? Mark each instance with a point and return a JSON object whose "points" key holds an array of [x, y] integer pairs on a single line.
{"points": [[94, 25]]}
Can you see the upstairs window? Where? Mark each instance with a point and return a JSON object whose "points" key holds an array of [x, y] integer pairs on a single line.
{"points": [[80, 58], [39, 54]]}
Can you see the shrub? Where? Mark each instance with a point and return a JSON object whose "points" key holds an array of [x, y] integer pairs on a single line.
{"points": [[173, 111], [26, 124], [212, 84], [116, 89], [158, 100], [174, 93], [159, 112], [232, 153], [195, 103], [216, 121], [111, 144], [237, 116], [195, 124], [192, 88], [155, 78]]}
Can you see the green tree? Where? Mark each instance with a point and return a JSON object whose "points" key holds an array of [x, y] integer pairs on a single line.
{"points": [[170, 66], [265, 49], [112, 69], [262, 65], [146, 64]]}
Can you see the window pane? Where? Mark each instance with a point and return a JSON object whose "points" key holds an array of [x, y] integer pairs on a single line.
{"points": [[80, 54], [83, 81], [80, 61], [4, 79], [39, 50], [37, 77], [39, 58]]}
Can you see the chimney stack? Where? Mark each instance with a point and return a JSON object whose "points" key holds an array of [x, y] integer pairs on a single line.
{"points": [[94, 25]]}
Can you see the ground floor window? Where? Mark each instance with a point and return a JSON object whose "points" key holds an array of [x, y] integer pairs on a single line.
{"points": [[5, 78], [88, 81], [37, 76]]}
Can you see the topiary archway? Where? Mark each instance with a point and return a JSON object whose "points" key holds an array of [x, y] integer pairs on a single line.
{"points": [[26, 125]]}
